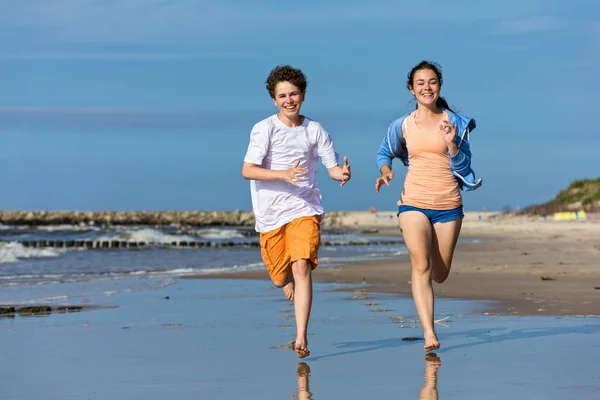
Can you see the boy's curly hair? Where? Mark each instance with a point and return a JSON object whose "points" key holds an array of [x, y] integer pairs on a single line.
{"points": [[286, 73]]}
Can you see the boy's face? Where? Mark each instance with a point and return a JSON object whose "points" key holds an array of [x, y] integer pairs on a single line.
{"points": [[288, 99]]}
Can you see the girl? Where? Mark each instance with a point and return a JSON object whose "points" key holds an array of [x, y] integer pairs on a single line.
{"points": [[433, 142]]}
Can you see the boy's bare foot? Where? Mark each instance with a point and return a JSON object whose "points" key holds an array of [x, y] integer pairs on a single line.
{"points": [[301, 348], [431, 342], [288, 290]]}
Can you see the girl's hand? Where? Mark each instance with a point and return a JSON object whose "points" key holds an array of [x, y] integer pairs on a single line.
{"points": [[448, 132], [384, 180]]}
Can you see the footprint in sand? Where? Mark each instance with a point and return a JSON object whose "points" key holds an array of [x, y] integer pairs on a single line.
{"points": [[285, 346]]}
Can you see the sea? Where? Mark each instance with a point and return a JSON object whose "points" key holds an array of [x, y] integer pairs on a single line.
{"points": [[61, 274]]}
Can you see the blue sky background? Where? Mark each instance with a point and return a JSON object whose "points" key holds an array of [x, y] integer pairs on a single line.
{"points": [[142, 104]]}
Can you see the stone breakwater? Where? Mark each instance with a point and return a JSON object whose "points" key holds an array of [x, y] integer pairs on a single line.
{"points": [[195, 218]]}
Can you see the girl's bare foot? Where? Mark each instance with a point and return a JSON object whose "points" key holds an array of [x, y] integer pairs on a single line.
{"points": [[431, 342], [301, 348], [288, 290]]}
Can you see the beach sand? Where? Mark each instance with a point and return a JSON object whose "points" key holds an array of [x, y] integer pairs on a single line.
{"points": [[528, 265], [227, 339], [503, 330]]}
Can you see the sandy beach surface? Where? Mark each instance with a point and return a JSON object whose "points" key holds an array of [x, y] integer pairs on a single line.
{"points": [[227, 339], [530, 266]]}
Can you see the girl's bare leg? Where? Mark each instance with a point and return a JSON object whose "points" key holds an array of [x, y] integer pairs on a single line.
{"points": [[417, 232], [445, 236]]}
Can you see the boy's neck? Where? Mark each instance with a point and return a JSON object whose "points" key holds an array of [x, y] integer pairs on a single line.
{"points": [[292, 123]]}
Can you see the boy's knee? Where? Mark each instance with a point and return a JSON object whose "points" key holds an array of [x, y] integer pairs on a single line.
{"points": [[303, 267], [280, 283]]}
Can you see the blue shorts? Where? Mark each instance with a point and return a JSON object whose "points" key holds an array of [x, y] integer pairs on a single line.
{"points": [[436, 216]]}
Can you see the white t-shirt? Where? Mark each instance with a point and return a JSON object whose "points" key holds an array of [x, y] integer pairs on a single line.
{"points": [[274, 145]]}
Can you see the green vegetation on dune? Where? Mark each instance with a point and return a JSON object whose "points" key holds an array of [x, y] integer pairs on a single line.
{"points": [[582, 194], [585, 192]]}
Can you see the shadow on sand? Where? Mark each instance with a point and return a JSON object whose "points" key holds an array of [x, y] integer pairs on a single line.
{"points": [[480, 336]]}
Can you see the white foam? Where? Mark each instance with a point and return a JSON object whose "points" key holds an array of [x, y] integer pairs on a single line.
{"points": [[13, 252], [214, 233], [55, 228], [147, 235]]}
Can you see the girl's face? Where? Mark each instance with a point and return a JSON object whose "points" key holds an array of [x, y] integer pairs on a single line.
{"points": [[425, 87], [288, 99]]}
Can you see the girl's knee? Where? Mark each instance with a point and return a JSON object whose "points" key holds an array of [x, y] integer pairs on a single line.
{"points": [[421, 266]]}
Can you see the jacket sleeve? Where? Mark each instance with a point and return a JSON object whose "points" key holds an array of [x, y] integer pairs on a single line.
{"points": [[384, 154], [392, 145], [461, 161]]}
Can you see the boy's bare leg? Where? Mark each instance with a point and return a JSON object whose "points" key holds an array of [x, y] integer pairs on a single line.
{"points": [[288, 289], [302, 272], [288, 286]]}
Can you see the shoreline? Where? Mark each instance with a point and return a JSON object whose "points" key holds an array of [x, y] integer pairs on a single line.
{"points": [[528, 267]]}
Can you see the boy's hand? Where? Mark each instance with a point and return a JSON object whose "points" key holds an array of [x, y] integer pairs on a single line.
{"points": [[294, 174], [346, 175], [384, 179]]}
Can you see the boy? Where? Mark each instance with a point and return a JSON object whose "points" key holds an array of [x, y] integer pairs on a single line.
{"points": [[281, 162]]}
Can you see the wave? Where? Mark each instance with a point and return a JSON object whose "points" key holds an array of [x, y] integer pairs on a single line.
{"points": [[12, 252], [147, 235], [50, 279], [215, 233]]}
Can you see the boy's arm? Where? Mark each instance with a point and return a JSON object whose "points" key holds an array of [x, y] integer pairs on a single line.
{"points": [[341, 174], [329, 158], [258, 173]]}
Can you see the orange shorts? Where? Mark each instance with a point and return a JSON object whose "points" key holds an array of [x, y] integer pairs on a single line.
{"points": [[298, 239]]}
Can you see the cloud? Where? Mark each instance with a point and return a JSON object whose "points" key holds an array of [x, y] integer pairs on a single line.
{"points": [[111, 116], [196, 22], [131, 56], [534, 24], [94, 116]]}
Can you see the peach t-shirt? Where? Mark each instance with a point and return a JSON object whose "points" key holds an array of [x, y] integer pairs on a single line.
{"points": [[429, 182]]}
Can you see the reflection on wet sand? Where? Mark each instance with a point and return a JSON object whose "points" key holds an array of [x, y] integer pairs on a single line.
{"points": [[429, 390], [302, 373]]}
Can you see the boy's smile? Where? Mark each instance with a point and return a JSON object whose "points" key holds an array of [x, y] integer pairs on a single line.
{"points": [[288, 99]]}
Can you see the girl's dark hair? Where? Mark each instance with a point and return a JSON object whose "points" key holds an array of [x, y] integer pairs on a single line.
{"points": [[441, 102], [286, 73]]}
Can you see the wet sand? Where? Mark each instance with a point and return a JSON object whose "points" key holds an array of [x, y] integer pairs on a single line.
{"points": [[227, 339], [528, 265]]}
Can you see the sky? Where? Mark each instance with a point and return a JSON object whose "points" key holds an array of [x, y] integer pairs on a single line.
{"points": [[148, 104]]}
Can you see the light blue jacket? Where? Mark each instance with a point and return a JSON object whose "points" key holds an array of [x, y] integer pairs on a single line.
{"points": [[394, 146]]}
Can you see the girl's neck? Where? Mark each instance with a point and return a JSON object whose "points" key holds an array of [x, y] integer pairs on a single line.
{"points": [[426, 113]]}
